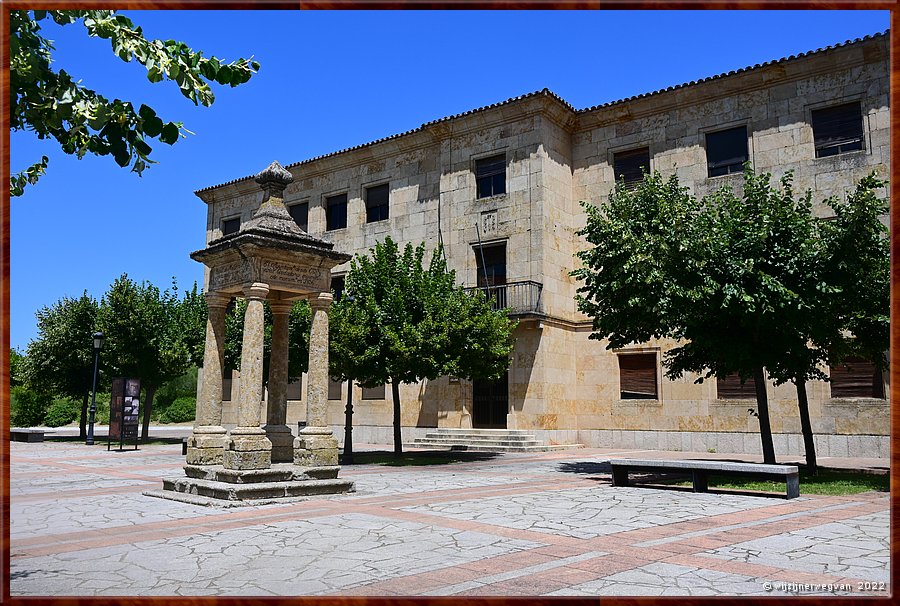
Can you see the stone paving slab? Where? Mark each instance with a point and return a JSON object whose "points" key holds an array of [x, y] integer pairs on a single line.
{"points": [[515, 525]]}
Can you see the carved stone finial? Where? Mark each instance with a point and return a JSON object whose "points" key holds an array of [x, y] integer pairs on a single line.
{"points": [[275, 173]]}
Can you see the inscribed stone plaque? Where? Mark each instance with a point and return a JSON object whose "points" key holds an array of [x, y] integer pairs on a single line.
{"points": [[230, 274], [289, 274]]}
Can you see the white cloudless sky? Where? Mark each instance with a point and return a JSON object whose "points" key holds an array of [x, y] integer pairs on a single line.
{"points": [[328, 81]]}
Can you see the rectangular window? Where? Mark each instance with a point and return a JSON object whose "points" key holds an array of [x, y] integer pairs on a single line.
{"points": [[637, 376], [726, 151], [731, 388], [377, 203], [373, 393], [490, 176], [856, 378], [335, 389], [837, 129], [295, 390], [630, 166], [300, 214], [337, 287], [490, 265], [336, 212], [231, 226]]}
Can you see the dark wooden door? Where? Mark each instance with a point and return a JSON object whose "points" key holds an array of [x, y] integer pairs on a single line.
{"points": [[490, 403]]}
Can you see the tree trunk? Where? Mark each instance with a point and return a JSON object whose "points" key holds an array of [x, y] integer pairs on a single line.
{"points": [[148, 408], [398, 440], [347, 459], [82, 424], [806, 426], [762, 405]]}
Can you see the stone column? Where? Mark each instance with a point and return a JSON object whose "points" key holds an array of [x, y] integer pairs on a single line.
{"points": [[207, 441], [276, 412], [315, 445], [247, 446]]}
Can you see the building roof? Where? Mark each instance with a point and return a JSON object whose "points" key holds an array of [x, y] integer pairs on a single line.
{"points": [[548, 93]]}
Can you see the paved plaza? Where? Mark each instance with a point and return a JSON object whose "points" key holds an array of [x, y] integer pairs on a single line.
{"points": [[490, 525]]}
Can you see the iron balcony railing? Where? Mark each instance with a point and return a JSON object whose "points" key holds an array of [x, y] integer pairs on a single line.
{"points": [[518, 297]]}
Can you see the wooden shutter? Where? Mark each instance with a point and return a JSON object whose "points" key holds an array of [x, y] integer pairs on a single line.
{"points": [[837, 129], [637, 376], [726, 151], [730, 388], [631, 165], [373, 393], [334, 389], [856, 378]]}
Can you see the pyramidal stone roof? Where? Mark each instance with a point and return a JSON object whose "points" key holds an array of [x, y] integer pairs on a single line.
{"points": [[271, 225], [550, 94]]}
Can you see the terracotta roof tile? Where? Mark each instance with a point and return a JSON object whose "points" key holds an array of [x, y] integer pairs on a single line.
{"points": [[551, 94]]}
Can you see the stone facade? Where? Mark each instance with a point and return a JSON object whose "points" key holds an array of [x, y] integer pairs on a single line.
{"points": [[560, 382]]}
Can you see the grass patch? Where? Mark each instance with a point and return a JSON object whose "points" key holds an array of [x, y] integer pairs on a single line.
{"points": [[830, 482], [417, 459]]}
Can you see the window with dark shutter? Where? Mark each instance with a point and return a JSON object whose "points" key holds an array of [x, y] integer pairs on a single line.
{"points": [[336, 212], [231, 226], [837, 129], [731, 388], [637, 376], [630, 166], [335, 389], [300, 214], [490, 176], [856, 378], [726, 151], [295, 389], [373, 393], [377, 203], [337, 287]]}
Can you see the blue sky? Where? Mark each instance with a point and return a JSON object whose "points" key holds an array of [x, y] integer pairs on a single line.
{"points": [[331, 80]]}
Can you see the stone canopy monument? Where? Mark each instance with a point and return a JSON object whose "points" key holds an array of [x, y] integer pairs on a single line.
{"points": [[270, 259]]}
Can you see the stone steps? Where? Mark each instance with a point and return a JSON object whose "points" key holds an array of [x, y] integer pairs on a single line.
{"points": [[227, 491], [486, 440]]}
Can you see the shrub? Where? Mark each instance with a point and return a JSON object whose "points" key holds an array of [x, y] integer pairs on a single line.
{"points": [[101, 415], [185, 385], [182, 410], [62, 412], [27, 407]]}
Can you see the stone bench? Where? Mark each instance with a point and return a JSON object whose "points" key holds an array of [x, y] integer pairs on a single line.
{"points": [[701, 470], [18, 434]]}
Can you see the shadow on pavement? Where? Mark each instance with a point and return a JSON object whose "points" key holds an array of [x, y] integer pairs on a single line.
{"points": [[418, 458]]}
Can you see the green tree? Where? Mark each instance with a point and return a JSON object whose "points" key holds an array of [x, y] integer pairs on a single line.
{"points": [[149, 335], [60, 359], [53, 104], [858, 250], [399, 322], [730, 278], [846, 287], [16, 367]]}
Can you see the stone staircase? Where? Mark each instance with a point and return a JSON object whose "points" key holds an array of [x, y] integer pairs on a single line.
{"points": [[486, 440]]}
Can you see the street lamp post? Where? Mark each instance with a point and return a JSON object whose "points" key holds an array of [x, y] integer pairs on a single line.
{"points": [[98, 345], [347, 459]]}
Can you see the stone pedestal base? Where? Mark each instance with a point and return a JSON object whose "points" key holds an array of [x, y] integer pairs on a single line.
{"points": [[282, 443], [315, 450], [247, 448], [206, 446], [283, 482]]}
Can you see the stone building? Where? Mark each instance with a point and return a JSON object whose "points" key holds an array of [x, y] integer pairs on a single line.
{"points": [[500, 187]]}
